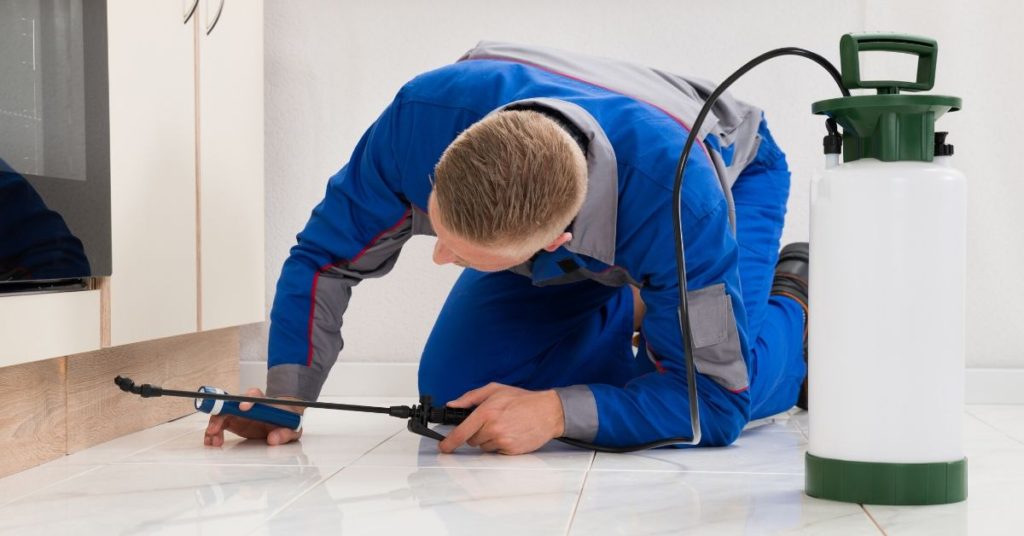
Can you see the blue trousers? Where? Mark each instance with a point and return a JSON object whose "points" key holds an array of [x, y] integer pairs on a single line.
{"points": [[498, 327]]}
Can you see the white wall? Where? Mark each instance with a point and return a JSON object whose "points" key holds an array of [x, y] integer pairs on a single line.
{"points": [[332, 66], [983, 62]]}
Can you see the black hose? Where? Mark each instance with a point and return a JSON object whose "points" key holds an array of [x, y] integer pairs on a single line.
{"points": [[677, 189]]}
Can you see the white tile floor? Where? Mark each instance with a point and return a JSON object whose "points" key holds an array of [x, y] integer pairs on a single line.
{"points": [[363, 474]]}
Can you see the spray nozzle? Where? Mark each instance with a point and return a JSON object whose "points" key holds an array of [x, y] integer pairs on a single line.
{"points": [[145, 390], [126, 384]]}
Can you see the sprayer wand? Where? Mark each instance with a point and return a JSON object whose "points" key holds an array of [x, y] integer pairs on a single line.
{"points": [[419, 415]]}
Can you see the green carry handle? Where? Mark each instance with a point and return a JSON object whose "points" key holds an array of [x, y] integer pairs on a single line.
{"points": [[926, 50]]}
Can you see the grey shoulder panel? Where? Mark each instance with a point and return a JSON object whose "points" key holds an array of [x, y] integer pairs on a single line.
{"points": [[593, 229], [732, 122], [332, 292], [421, 223]]}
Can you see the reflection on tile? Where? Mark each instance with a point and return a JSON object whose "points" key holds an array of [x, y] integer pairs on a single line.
{"points": [[159, 499], [32, 480], [163, 480], [331, 438], [313, 449], [410, 450], [760, 450], [628, 502], [783, 422], [124, 446], [995, 481], [995, 475], [414, 500]]}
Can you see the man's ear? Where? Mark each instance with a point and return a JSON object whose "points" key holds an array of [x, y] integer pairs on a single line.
{"points": [[557, 243]]}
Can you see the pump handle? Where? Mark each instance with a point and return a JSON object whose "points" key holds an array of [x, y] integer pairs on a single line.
{"points": [[852, 44]]}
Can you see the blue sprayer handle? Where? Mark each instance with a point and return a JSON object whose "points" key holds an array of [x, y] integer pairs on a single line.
{"points": [[258, 412]]}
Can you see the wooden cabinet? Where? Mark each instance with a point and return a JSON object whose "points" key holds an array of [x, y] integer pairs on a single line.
{"points": [[186, 92], [153, 287], [231, 259], [186, 166]]}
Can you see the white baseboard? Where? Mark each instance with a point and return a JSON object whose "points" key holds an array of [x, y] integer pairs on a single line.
{"points": [[984, 385], [995, 386]]}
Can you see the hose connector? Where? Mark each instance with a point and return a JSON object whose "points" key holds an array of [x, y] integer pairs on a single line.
{"points": [[833, 141]]}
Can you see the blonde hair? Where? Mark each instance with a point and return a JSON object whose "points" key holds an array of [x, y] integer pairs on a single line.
{"points": [[515, 180]]}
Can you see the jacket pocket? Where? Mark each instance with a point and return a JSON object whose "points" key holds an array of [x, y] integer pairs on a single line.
{"points": [[717, 352]]}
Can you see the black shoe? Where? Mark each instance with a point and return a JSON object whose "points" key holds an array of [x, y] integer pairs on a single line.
{"points": [[791, 280]]}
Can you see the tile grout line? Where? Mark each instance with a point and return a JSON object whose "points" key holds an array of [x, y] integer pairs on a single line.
{"points": [[122, 460], [86, 470], [153, 446], [292, 501], [994, 427], [579, 498], [477, 468], [696, 472], [474, 468], [804, 431], [212, 464], [328, 477], [873, 520], [88, 467]]}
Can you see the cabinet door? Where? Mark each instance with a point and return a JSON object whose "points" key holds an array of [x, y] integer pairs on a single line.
{"points": [[152, 170], [231, 163]]}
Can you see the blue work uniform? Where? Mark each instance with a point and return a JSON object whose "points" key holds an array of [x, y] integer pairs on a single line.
{"points": [[564, 319]]}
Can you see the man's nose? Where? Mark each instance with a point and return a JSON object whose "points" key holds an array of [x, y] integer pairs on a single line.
{"points": [[442, 255]]}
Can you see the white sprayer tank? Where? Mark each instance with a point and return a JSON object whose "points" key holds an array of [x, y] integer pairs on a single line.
{"points": [[887, 312], [886, 299]]}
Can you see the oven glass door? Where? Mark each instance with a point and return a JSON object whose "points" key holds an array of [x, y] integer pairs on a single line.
{"points": [[54, 143]]}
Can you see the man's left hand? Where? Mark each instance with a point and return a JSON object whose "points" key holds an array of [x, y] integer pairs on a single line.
{"points": [[507, 420]]}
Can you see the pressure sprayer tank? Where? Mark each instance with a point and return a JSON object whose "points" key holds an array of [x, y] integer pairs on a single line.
{"points": [[887, 275]]}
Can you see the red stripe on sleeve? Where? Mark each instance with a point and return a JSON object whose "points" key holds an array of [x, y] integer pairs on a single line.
{"points": [[328, 266]]}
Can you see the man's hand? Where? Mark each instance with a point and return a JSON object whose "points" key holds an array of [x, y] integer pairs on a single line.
{"points": [[507, 420], [249, 429]]}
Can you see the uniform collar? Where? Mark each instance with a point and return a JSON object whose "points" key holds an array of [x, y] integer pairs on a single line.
{"points": [[593, 229]]}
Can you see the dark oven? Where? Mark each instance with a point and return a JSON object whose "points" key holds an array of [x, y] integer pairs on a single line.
{"points": [[54, 144]]}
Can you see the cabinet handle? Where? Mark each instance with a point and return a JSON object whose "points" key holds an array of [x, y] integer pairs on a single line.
{"points": [[190, 11], [210, 25]]}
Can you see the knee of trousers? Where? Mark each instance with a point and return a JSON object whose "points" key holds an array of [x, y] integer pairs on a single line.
{"points": [[440, 382], [723, 413]]}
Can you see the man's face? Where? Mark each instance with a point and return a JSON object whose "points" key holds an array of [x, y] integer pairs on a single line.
{"points": [[451, 249]]}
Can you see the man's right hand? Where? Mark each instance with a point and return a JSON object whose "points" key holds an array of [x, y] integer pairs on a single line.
{"points": [[248, 428]]}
